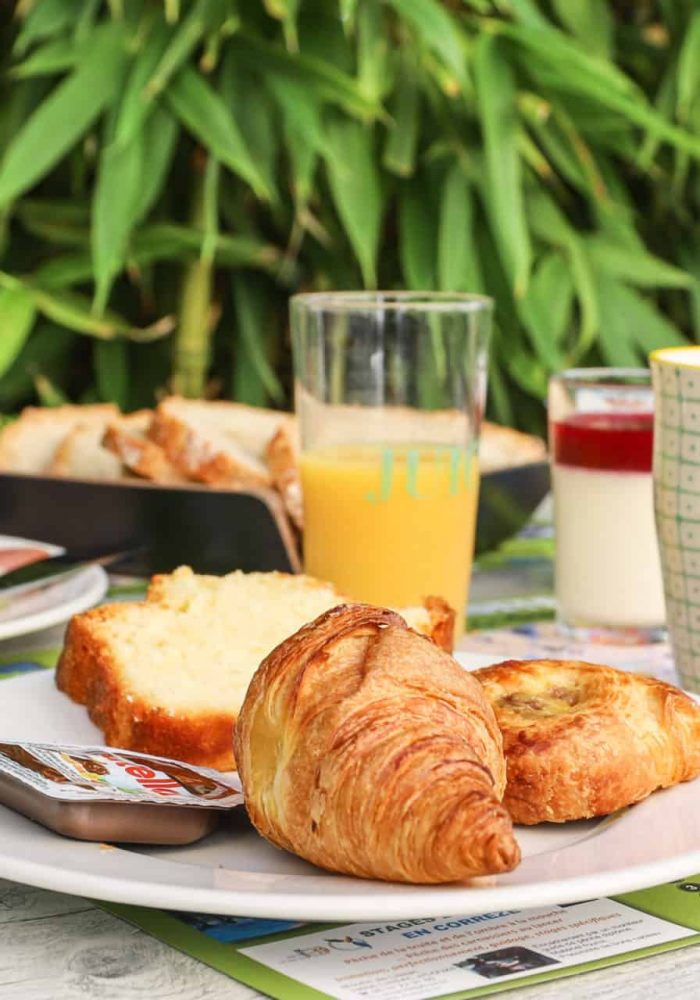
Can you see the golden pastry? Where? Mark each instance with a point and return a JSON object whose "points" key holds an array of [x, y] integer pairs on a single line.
{"points": [[583, 740], [365, 749]]}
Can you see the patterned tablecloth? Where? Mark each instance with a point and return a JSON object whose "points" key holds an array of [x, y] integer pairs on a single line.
{"points": [[511, 616]]}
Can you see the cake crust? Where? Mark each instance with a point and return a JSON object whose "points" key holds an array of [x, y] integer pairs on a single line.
{"points": [[88, 672]]}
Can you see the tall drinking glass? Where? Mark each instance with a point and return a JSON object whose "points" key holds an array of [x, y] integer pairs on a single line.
{"points": [[390, 389]]}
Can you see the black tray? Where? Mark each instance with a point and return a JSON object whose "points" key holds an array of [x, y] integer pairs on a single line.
{"points": [[507, 500], [214, 531]]}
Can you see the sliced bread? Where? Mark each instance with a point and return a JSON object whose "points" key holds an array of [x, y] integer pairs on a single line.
{"points": [[168, 675], [282, 456], [127, 438], [503, 447], [219, 443], [29, 444], [81, 455]]}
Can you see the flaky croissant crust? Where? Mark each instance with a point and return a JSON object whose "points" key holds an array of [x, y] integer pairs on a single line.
{"points": [[367, 750], [583, 740]]}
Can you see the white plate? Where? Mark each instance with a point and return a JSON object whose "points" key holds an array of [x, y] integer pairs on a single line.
{"points": [[235, 872], [52, 604]]}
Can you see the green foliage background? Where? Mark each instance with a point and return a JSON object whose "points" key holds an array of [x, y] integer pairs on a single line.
{"points": [[171, 172]]}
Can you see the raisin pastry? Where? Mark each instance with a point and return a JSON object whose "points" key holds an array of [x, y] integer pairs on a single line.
{"points": [[583, 740]]}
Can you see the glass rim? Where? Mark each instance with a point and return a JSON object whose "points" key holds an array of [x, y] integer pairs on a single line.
{"points": [[618, 377], [385, 301]]}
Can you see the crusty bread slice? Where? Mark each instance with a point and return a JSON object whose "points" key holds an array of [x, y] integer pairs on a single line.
{"points": [[282, 455], [29, 444], [81, 455], [127, 438], [168, 675], [503, 447], [217, 442]]}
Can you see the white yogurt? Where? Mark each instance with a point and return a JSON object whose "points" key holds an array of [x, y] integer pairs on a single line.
{"points": [[607, 566]]}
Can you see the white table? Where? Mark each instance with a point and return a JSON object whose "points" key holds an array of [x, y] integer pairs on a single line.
{"points": [[55, 947]]}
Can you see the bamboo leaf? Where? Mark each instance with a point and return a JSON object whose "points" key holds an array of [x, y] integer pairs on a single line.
{"points": [[65, 270], [646, 326], [373, 72], [417, 239], [554, 288], [111, 363], [566, 67], [592, 75], [136, 106], [570, 154], [546, 309], [54, 57], [65, 114], [251, 307], [498, 396], [689, 68], [201, 17], [525, 370], [16, 106], [439, 32], [158, 142], [619, 339], [328, 83], [504, 197], [202, 112], [44, 20], [300, 108], [17, 315], [590, 21], [636, 266], [256, 121], [65, 234], [587, 294], [73, 311], [457, 255], [402, 136], [113, 212], [167, 241], [301, 113], [355, 187], [304, 159], [57, 209], [690, 257], [551, 227], [49, 349]]}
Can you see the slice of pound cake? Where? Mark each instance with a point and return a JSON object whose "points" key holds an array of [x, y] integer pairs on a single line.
{"points": [[168, 675]]}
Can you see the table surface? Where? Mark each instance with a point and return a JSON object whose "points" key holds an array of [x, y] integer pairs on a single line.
{"points": [[65, 947]]}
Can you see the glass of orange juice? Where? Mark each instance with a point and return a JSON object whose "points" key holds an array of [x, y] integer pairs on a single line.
{"points": [[389, 391]]}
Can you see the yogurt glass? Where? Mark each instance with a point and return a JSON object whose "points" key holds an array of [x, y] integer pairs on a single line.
{"points": [[608, 580]]}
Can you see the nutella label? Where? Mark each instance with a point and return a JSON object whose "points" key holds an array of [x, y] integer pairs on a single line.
{"points": [[103, 774]]}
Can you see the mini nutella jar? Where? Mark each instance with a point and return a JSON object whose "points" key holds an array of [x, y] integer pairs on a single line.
{"points": [[113, 796]]}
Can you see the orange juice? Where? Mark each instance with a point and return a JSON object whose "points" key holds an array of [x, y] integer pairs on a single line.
{"points": [[391, 525]]}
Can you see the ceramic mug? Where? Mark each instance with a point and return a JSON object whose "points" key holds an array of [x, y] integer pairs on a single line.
{"points": [[676, 380]]}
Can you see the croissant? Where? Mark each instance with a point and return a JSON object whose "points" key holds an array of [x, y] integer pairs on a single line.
{"points": [[365, 749], [583, 740]]}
